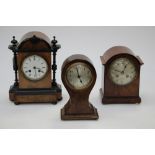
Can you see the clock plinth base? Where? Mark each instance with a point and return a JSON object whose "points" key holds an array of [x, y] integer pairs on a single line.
{"points": [[119, 100], [92, 116], [47, 95]]}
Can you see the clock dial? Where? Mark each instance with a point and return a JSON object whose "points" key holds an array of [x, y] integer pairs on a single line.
{"points": [[122, 71], [34, 67], [79, 75]]}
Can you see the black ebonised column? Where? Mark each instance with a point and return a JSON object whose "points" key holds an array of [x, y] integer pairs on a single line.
{"points": [[14, 49], [54, 49]]}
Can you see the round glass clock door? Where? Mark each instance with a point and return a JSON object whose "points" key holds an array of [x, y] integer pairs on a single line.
{"points": [[122, 71], [79, 75], [34, 67]]}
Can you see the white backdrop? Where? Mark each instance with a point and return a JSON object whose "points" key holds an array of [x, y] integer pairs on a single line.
{"points": [[93, 42]]}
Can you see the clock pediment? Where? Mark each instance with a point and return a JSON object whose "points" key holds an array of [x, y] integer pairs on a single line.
{"points": [[34, 41], [118, 50]]}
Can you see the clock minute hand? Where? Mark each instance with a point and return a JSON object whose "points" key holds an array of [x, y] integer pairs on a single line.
{"points": [[78, 74], [35, 71], [125, 67]]}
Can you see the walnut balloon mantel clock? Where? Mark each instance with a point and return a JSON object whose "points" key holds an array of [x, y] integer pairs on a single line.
{"points": [[121, 76], [34, 80], [78, 76]]}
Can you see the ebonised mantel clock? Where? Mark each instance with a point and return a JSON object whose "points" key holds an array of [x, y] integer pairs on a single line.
{"points": [[78, 76], [34, 80], [121, 76]]}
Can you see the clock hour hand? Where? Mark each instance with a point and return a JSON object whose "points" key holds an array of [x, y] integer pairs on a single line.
{"points": [[117, 70], [39, 70]]}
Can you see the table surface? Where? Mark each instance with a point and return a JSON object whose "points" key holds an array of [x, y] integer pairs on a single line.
{"points": [[93, 42]]}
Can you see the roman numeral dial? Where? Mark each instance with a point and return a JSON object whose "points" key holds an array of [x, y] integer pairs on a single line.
{"points": [[34, 67]]}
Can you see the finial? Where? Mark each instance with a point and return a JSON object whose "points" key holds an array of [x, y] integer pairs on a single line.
{"points": [[14, 41], [54, 41], [34, 39]]}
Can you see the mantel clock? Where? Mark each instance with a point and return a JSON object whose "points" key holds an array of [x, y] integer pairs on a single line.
{"points": [[78, 76], [121, 76], [34, 80]]}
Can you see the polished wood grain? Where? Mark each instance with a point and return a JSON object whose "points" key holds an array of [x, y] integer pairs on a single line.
{"points": [[113, 93], [51, 98], [78, 106], [41, 91]]}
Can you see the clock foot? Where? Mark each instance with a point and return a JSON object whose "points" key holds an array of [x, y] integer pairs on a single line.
{"points": [[54, 102], [16, 103], [59, 99]]}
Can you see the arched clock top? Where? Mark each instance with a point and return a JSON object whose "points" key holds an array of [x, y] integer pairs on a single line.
{"points": [[76, 58], [34, 41], [118, 50]]}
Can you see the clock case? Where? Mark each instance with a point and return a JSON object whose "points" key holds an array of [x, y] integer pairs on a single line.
{"points": [[78, 106], [111, 92], [41, 91]]}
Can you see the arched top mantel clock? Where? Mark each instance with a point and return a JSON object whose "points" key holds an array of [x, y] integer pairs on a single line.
{"points": [[32, 62], [121, 76]]}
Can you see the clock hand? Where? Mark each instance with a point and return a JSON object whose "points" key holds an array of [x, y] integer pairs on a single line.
{"points": [[78, 74], [39, 70], [35, 71], [125, 66], [117, 70], [81, 80]]}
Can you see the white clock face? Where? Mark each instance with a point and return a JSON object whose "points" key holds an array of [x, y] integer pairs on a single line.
{"points": [[122, 71], [34, 67], [79, 75]]}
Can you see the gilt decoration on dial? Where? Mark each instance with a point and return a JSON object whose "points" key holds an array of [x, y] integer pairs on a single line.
{"points": [[122, 71], [79, 75], [34, 67]]}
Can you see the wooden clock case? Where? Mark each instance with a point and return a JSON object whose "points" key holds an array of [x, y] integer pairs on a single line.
{"points": [[78, 106], [41, 91], [112, 93]]}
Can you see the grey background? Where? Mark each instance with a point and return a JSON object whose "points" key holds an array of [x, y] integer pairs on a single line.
{"points": [[93, 42]]}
